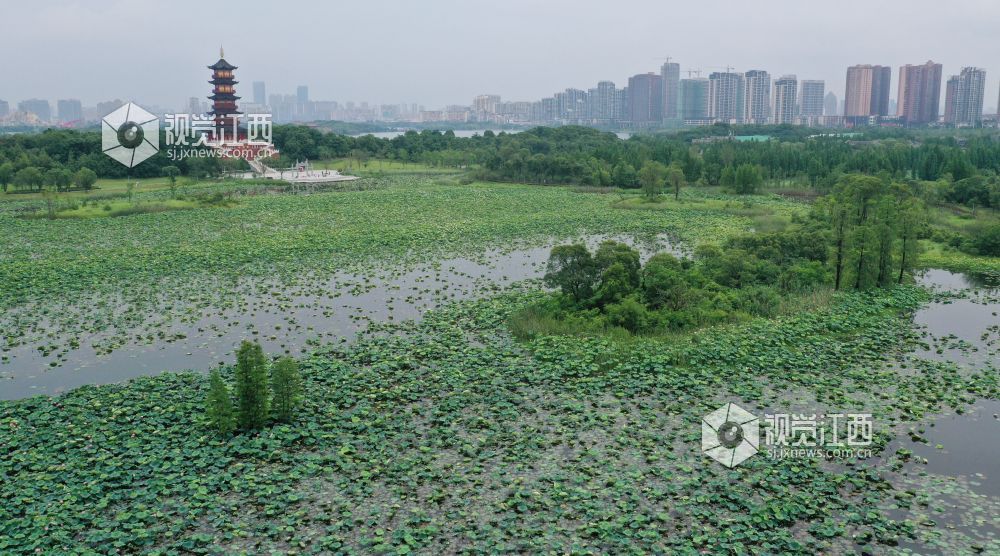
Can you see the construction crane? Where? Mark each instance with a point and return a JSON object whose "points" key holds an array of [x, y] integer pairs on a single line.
{"points": [[694, 73]]}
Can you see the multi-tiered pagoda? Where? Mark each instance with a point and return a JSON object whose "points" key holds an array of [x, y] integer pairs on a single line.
{"points": [[224, 99]]}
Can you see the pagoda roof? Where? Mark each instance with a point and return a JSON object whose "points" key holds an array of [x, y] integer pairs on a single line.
{"points": [[214, 113], [224, 96], [222, 64], [224, 81]]}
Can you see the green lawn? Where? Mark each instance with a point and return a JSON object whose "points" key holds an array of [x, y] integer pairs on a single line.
{"points": [[369, 167]]}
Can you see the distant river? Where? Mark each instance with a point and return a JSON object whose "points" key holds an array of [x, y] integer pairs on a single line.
{"points": [[464, 133]]}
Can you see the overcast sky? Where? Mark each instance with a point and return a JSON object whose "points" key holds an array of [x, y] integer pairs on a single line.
{"points": [[437, 52]]}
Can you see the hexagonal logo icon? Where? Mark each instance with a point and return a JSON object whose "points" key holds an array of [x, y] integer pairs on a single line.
{"points": [[130, 134], [730, 435]]}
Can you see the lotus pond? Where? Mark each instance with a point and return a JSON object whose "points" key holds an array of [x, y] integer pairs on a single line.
{"points": [[442, 434]]}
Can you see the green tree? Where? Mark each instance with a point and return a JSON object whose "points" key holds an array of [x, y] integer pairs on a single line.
{"points": [[747, 179], [571, 268], [171, 172], [651, 177], [911, 219], [611, 252], [6, 175], [286, 388], [664, 283], [728, 177], [615, 285], [675, 177], [623, 175], [219, 405], [29, 178], [85, 178], [50, 196], [251, 386], [59, 178]]}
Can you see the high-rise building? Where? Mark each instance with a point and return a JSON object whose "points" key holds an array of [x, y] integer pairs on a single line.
{"points": [[39, 107], [811, 98], [259, 93], [70, 110], [645, 99], [302, 93], [604, 103], [950, 99], [919, 97], [756, 97], [867, 91], [784, 99], [968, 97], [725, 96], [4, 108], [831, 106], [694, 98], [572, 105], [486, 103], [881, 81], [671, 74]]}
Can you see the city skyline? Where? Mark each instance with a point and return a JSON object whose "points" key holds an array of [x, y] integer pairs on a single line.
{"points": [[391, 52], [648, 100]]}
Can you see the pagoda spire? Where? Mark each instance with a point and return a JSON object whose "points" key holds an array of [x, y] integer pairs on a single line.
{"points": [[222, 52]]}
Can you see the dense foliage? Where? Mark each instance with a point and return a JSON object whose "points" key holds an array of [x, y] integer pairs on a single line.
{"points": [[611, 289], [966, 166]]}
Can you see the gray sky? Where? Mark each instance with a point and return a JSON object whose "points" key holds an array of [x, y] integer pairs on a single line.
{"points": [[437, 52]]}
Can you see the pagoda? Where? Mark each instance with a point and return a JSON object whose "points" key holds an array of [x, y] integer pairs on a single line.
{"points": [[224, 99]]}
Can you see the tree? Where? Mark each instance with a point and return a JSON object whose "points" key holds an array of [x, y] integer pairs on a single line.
{"points": [[572, 269], [747, 178], [85, 178], [623, 175], [60, 178], [6, 175], [286, 388], [611, 252], [29, 178], [664, 283], [219, 405], [728, 177], [171, 172], [911, 219], [49, 195], [675, 177], [251, 386], [615, 285], [651, 177]]}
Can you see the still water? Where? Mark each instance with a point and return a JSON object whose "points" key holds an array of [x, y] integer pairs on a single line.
{"points": [[293, 324], [952, 476]]}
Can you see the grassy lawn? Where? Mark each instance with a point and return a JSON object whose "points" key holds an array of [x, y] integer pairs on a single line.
{"points": [[376, 166], [104, 187]]}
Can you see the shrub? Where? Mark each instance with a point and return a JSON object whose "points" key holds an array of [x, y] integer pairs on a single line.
{"points": [[630, 314], [251, 386], [219, 405], [986, 240], [286, 388]]}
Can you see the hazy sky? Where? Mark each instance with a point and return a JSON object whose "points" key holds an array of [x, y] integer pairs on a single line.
{"points": [[437, 52]]}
